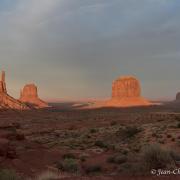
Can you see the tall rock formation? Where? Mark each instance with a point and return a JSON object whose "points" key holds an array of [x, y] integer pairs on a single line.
{"points": [[6, 101], [126, 91], [126, 86], [178, 96], [29, 95]]}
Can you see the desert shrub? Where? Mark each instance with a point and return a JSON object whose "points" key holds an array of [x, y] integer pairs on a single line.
{"points": [[175, 156], [132, 169], [48, 175], [117, 159], [154, 134], [136, 147], [155, 157], [93, 169], [111, 147], [124, 151], [100, 144], [178, 125], [93, 130], [177, 118], [169, 135], [130, 131], [6, 174], [83, 157], [69, 156], [72, 127], [125, 168], [160, 120], [161, 141], [68, 165], [87, 136], [172, 126], [113, 123]]}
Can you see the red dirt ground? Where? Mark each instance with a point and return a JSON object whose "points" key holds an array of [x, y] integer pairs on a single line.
{"points": [[38, 139]]}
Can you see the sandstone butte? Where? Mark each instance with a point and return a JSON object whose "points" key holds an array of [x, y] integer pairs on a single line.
{"points": [[6, 101], [29, 95], [178, 96], [126, 91]]}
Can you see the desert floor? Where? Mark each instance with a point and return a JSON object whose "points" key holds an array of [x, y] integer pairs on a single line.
{"points": [[106, 143]]}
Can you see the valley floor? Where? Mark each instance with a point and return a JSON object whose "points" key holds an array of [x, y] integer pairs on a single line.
{"points": [[107, 143]]}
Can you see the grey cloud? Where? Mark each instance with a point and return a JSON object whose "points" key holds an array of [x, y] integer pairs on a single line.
{"points": [[75, 48]]}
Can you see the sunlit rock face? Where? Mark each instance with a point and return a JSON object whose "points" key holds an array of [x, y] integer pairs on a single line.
{"points": [[29, 92], [178, 96], [6, 101], [3, 83], [29, 95], [126, 86], [126, 91]]}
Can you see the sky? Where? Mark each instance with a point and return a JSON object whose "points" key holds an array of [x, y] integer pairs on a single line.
{"points": [[74, 49]]}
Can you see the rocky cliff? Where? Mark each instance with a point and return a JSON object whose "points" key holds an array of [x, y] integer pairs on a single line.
{"points": [[126, 91], [6, 101], [29, 95]]}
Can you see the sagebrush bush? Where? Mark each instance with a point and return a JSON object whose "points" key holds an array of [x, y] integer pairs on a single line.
{"points": [[131, 131], [117, 159], [155, 157], [113, 123], [178, 125], [6, 174], [48, 175], [93, 130], [69, 156], [93, 169], [68, 165], [100, 144]]}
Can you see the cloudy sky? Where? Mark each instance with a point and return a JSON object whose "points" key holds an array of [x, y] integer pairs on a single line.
{"points": [[73, 49]]}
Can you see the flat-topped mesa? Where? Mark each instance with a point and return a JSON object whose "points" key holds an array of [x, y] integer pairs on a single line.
{"points": [[126, 86], [29, 95], [6, 101], [126, 91]]}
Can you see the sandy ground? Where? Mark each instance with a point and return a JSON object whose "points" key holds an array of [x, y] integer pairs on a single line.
{"points": [[38, 140]]}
